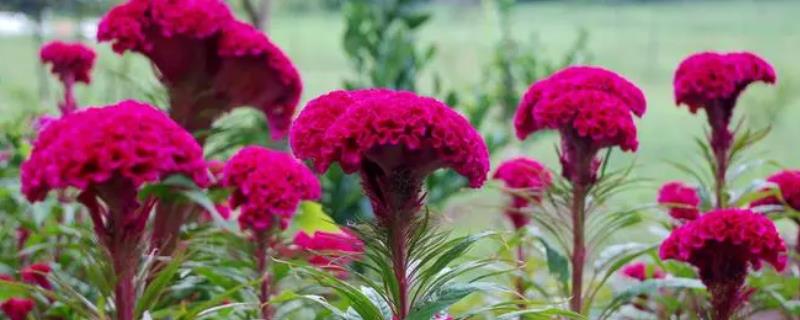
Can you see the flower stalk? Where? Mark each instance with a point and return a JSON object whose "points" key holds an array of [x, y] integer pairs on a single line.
{"points": [[262, 257]]}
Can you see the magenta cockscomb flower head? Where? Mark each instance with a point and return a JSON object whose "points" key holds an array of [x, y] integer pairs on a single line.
{"points": [[591, 107], [209, 62], [788, 183], [681, 200], [723, 244], [17, 308], [108, 153], [527, 179], [268, 186], [639, 271], [394, 139], [713, 81], [330, 250], [71, 63], [37, 274]]}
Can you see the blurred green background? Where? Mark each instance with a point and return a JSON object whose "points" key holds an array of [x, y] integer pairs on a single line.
{"points": [[643, 40]]}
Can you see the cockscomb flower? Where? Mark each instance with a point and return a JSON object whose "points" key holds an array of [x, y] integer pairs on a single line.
{"points": [[680, 199], [723, 244], [788, 183], [527, 179], [108, 153], [268, 186], [37, 274], [71, 63], [639, 271], [591, 107], [17, 308], [330, 249], [6, 277], [209, 62], [129, 143], [393, 138]]}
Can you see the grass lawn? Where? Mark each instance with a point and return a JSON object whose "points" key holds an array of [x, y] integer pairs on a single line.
{"points": [[645, 42]]}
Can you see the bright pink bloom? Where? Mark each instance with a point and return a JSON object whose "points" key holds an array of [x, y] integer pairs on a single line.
{"points": [[6, 277], [529, 179], [17, 308], [788, 182], [71, 62], [330, 249], [682, 200], [388, 135], [268, 186], [713, 81], [209, 62], [722, 244], [130, 141], [638, 271], [592, 108], [37, 274]]}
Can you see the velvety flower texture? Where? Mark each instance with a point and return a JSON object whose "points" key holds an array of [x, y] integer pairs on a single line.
{"points": [[268, 186], [722, 244], [638, 271], [788, 182], [682, 200], [389, 136], [592, 108], [714, 80], [71, 62], [17, 308], [330, 249], [528, 178], [37, 274], [209, 61], [131, 141]]}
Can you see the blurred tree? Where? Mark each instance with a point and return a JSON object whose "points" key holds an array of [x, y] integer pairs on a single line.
{"points": [[258, 12], [35, 11]]}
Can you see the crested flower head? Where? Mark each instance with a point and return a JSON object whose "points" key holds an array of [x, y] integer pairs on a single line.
{"points": [[711, 79], [528, 179], [682, 200], [393, 138], [330, 249], [588, 103], [69, 61], [268, 186], [130, 142], [638, 271], [17, 308], [723, 243], [788, 182], [209, 61], [591, 107], [37, 274]]}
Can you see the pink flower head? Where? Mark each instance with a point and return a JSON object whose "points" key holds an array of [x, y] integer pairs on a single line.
{"points": [[17, 308], [591, 103], [331, 250], [638, 271], [788, 182], [529, 179], [682, 200], [389, 135], [711, 79], [6, 277], [722, 244], [209, 62], [268, 186], [37, 274], [130, 143], [71, 62], [593, 108]]}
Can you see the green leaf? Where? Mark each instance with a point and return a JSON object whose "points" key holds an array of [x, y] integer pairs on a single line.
{"points": [[649, 286], [557, 263], [156, 287], [445, 297], [310, 217]]}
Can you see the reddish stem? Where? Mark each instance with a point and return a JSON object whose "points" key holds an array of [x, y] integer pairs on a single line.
{"points": [[399, 250], [262, 239], [68, 105], [579, 246], [719, 116], [520, 280]]}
